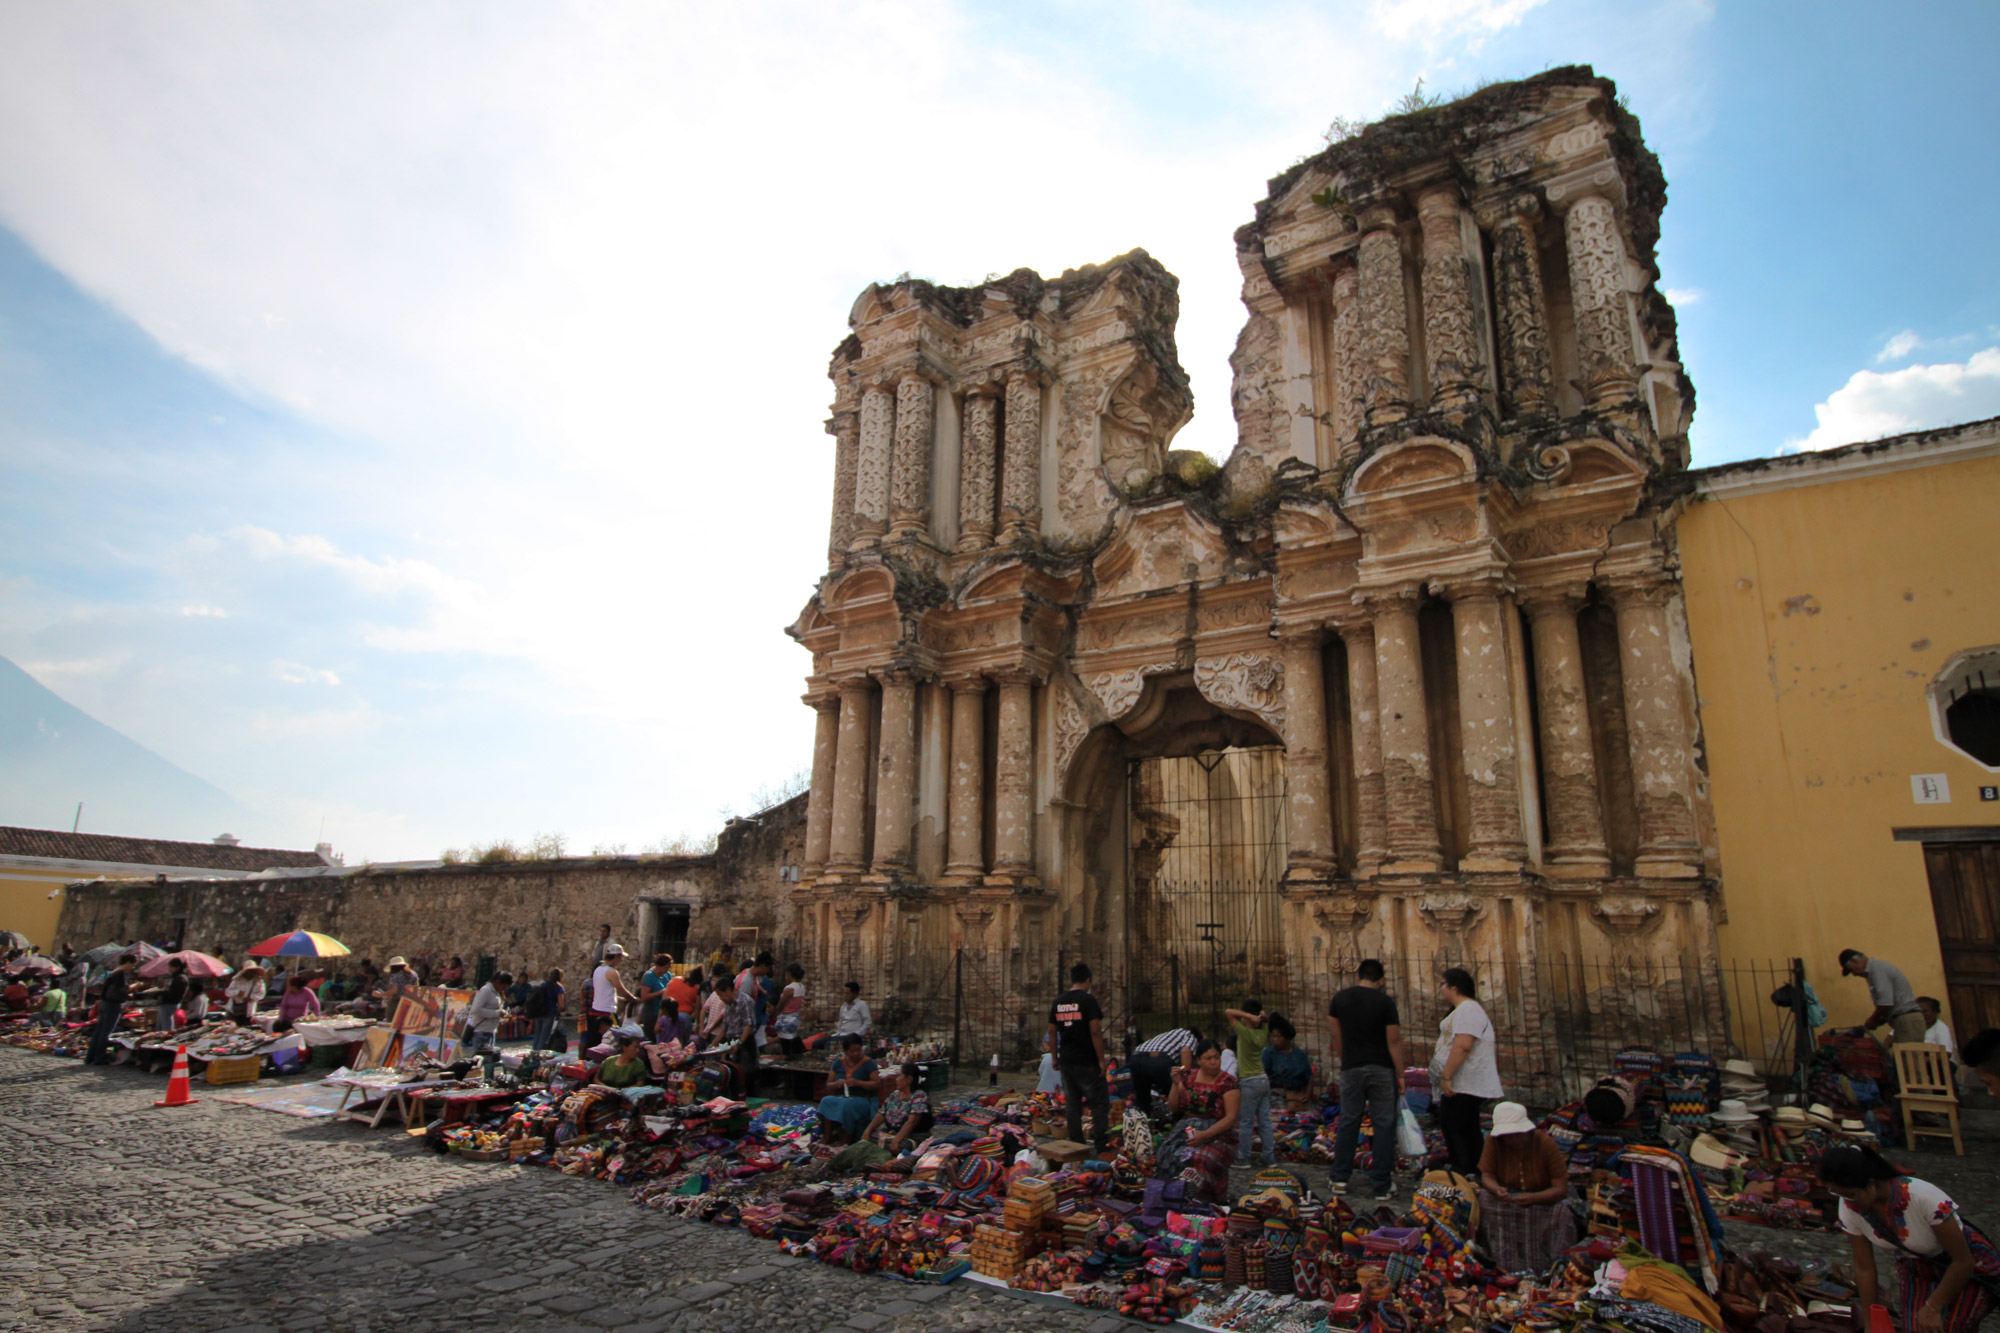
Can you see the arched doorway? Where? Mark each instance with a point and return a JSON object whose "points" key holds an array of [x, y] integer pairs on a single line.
{"points": [[1175, 848], [1206, 844]]}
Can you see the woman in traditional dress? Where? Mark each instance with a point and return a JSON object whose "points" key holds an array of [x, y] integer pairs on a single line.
{"points": [[850, 1109], [1201, 1148], [1524, 1194], [1947, 1272], [905, 1113]]}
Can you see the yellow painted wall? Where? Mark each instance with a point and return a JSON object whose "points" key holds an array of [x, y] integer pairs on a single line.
{"points": [[1819, 615], [25, 905]]}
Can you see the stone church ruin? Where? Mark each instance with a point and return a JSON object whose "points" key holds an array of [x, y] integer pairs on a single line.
{"points": [[1407, 677]]}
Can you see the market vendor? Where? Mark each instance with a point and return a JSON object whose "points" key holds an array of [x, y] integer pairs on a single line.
{"points": [[905, 1114], [111, 1008], [1895, 999], [1153, 1064], [859, 1083], [653, 990], [628, 1068], [16, 996], [1201, 1148], [398, 980], [1947, 1272], [54, 1007], [174, 994], [297, 1002], [789, 1015], [1524, 1194], [855, 1019], [1289, 1067], [607, 991], [483, 1015], [673, 1025], [245, 991]]}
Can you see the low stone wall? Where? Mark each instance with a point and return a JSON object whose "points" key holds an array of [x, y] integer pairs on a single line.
{"points": [[533, 914]]}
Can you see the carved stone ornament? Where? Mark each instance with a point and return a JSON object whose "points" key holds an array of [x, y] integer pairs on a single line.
{"points": [[1251, 682], [1072, 725], [1630, 921], [1453, 916], [1550, 463], [1341, 918], [1118, 691]]}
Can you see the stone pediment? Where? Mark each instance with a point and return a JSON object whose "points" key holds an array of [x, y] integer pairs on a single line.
{"points": [[1156, 547], [1427, 461]]}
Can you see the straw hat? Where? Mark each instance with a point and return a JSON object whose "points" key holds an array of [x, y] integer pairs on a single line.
{"points": [[1732, 1112], [1511, 1118], [399, 961], [1710, 1151], [1740, 1071]]}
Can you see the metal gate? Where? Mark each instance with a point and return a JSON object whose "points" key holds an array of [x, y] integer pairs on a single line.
{"points": [[1206, 845]]}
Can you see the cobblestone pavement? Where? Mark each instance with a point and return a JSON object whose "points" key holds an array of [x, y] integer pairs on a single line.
{"points": [[227, 1219]]}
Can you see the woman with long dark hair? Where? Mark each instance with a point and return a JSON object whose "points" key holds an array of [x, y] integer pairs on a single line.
{"points": [[1947, 1272], [1202, 1147]]}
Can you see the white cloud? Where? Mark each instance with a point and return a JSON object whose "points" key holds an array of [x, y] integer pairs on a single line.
{"points": [[1899, 346], [1684, 295], [293, 673], [1873, 404], [204, 611]]}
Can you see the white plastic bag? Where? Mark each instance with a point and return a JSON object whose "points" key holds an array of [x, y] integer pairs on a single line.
{"points": [[1409, 1134]]}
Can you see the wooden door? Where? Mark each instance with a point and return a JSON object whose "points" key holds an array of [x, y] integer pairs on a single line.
{"points": [[1965, 893]]}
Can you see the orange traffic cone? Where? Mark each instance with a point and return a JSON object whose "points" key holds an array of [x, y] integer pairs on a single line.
{"points": [[177, 1086]]}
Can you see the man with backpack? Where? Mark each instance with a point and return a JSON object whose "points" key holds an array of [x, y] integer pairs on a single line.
{"points": [[544, 1008]]}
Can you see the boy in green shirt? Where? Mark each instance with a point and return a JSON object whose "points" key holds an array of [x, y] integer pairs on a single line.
{"points": [[55, 1007], [1254, 1114]]}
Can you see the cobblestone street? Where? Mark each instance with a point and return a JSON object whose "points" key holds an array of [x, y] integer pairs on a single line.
{"points": [[216, 1218]]}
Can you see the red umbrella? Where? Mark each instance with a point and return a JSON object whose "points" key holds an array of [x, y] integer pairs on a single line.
{"points": [[206, 966], [36, 963]]}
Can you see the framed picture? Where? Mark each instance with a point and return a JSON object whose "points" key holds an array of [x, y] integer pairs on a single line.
{"points": [[378, 1048]]}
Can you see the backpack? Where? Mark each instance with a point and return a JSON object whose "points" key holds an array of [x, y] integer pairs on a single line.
{"points": [[539, 1001]]}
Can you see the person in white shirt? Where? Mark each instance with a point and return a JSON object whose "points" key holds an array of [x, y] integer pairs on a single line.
{"points": [[1938, 1033], [1464, 1071], [245, 993], [482, 1017], [855, 1018], [1947, 1271], [607, 989]]}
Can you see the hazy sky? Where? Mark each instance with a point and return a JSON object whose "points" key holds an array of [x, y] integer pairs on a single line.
{"points": [[410, 414]]}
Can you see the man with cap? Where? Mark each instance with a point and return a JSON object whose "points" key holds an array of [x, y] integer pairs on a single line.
{"points": [[1523, 1193], [1895, 999], [607, 991]]}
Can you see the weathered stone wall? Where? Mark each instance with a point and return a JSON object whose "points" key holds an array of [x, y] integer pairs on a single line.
{"points": [[537, 914]]}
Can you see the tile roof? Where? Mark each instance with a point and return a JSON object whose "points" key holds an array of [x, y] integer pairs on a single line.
{"points": [[147, 851]]}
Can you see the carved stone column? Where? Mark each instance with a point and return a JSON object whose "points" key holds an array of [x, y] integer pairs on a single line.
{"points": [[1364, 718], [1021, 472], [1308, 782], [910, 493], [1409, 797], [846, 431], [895, 779], [1495, 840], [871, 466], [1014, 783], [1597, 291], [976, 468], [1656, 729], [1522, 313], [848, 840], [1450, 340], [819, 805], [1385, 319], [1569, 763], [1348, 381], [966, 858]]}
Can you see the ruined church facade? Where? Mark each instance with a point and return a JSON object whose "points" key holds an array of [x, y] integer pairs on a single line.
{"points": [[1406, 678]]}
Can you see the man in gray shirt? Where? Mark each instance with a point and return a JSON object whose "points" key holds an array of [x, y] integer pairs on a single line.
{"points": [[1895, 999]]}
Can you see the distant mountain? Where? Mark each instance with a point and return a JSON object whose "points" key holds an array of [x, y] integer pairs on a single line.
{"points": [[53, 755]]}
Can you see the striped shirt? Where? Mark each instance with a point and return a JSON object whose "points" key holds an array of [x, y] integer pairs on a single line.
{"points": [[1167, 1043]]}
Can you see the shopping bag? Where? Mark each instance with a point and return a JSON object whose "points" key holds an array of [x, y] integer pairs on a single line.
{"points": [[1409, 1134]]}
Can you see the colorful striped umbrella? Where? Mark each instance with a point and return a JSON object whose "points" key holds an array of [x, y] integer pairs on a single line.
{"points": [[299, 944]]}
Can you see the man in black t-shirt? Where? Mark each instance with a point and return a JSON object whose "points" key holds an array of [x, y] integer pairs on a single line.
{"points": [[111, 1008], [1076, 1032], [1368, 1039]]}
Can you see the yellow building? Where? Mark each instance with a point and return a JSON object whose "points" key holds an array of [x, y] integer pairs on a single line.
{"points": [[1844, 613], [36, 864]]}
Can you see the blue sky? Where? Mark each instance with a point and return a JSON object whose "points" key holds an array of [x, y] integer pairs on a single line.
{"points": [[410, 413]]}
